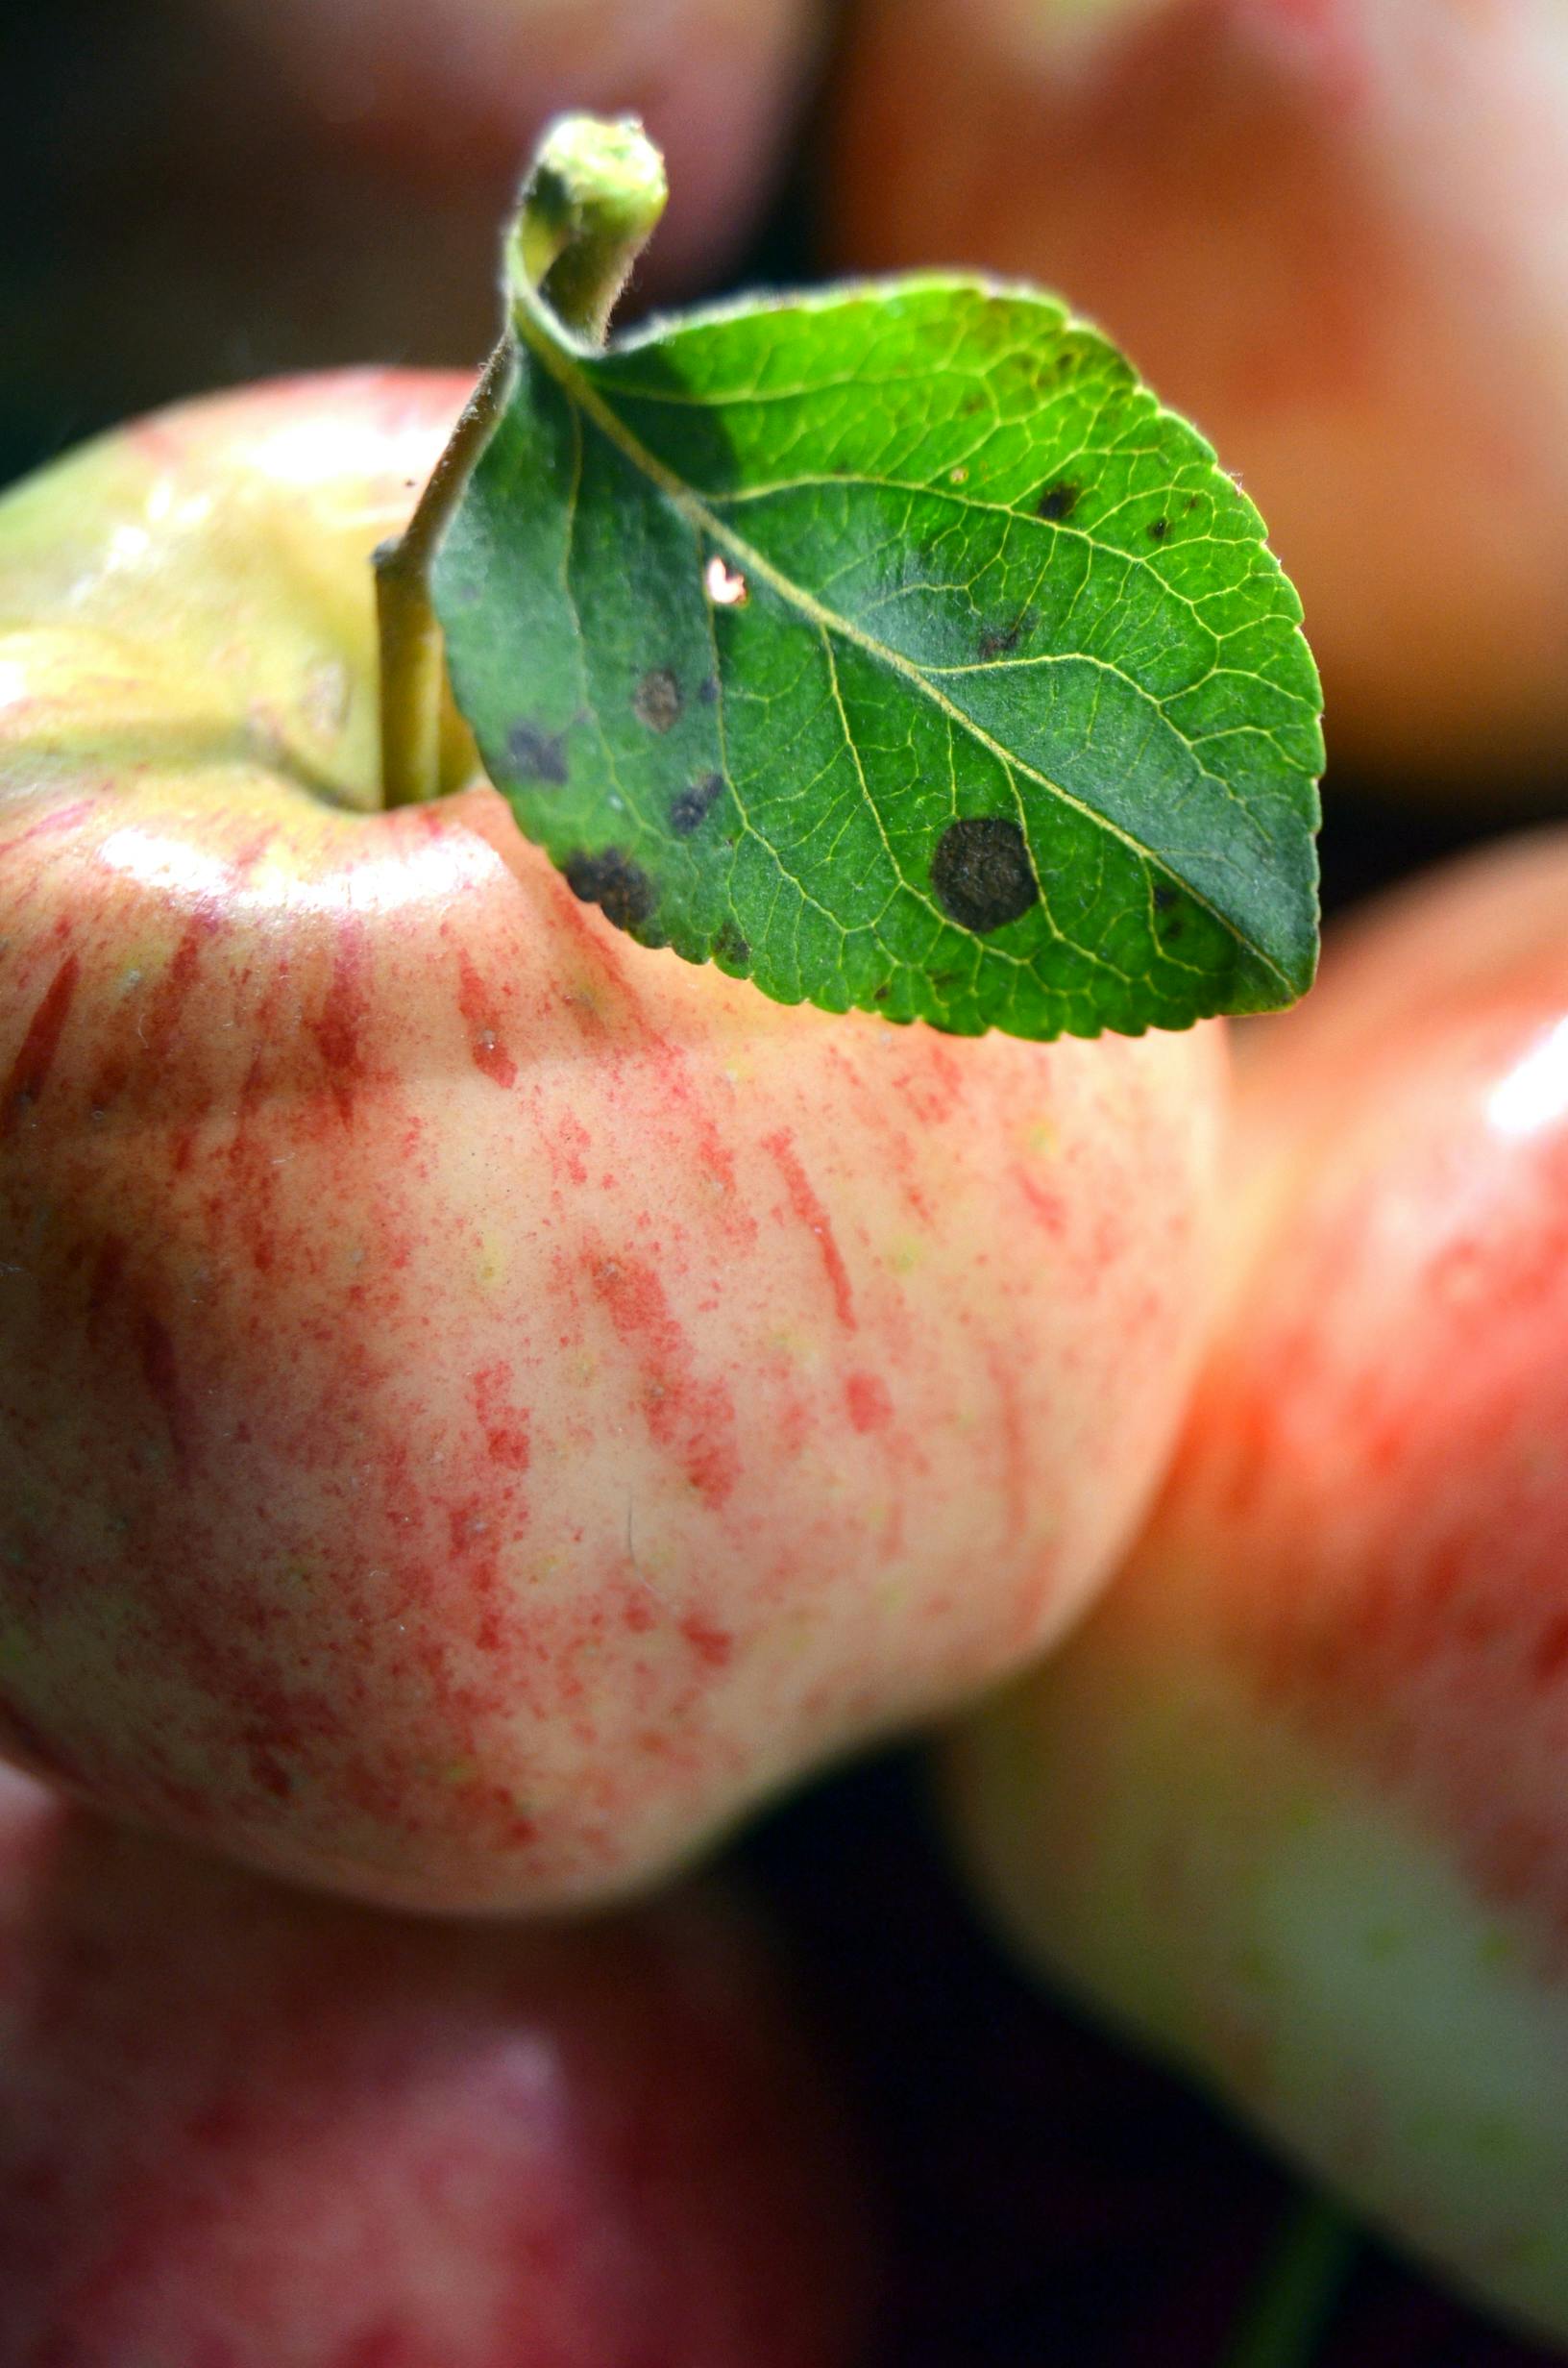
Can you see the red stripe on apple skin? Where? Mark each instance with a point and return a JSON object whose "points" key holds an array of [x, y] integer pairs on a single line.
{"points": [[338, 1028], [812, 1214], [490, 1054], [694, 1417], [29, 1069]]}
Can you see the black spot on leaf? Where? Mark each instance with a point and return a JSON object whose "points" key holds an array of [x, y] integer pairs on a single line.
{"points": [[1059, 501], [657, 700], [691, 807], [621, 888], [1000, 641], [708, 693], [1159, 529], [729, 946], [1170, 913], [982, 875], [536, 754]]}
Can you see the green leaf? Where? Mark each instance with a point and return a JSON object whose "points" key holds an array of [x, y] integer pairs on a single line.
{"points": [[892, 648]]}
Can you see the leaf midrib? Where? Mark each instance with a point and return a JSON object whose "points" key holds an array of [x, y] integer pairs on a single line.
{"points": [[564, 367]]}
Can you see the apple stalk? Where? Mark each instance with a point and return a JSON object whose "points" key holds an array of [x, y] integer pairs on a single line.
{"points": [[588, 208]]}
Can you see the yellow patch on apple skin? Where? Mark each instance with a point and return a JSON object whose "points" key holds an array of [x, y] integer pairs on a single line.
{"points": [[1049, 32], [492, 1266], [793, 1344]]}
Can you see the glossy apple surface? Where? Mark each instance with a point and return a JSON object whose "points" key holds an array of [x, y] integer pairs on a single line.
{"points": [[1331, 234], [480, 1402], [240, 2127], [1293, 1805]]}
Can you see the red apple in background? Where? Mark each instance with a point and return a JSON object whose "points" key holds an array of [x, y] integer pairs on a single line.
{"points": [[215, 190], [240, 2125], [1331, 233], [482, 1403], [454, 91], [1292, 1806]]}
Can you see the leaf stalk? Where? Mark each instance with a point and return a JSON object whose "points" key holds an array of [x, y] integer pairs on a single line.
{"points": [[1294, 2299], [589, 205]]}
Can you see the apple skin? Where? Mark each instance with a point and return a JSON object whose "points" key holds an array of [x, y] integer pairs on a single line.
{"points": [[481, 1403], [1331, 233], [1293, 1805], [242, 2128]]}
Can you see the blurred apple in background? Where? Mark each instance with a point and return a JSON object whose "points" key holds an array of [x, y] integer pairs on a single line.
{"points": [[1291, 1807], [241, 2126], [1335, 234], [483, 1404], [204, 191]]}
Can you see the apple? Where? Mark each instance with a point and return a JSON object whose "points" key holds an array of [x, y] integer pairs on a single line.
{"points": [[449, 89], [228, 187], [1330, 230], [483, 1404], [242, 2128], [1292, 1806]]}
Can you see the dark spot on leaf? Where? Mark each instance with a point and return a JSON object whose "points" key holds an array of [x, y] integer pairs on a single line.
{"points": [[880, 994], [621, 888], [1000, 641], [1191, 501], [657, 700], [709, 692], [693, 803], [982, 874], [1159, 529], [1164, 896], [538, 755], [1059, 501], [730, 946], [972, 403]]}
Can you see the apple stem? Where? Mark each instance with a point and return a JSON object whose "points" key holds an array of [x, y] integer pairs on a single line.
{"points": [[1295, 2296], [588, 208], [412, 657]]}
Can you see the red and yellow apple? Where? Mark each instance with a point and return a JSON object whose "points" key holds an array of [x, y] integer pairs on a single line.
{"points": [[481, 1403], [1330, 231], [1293, 1804], [239, 2125]]}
